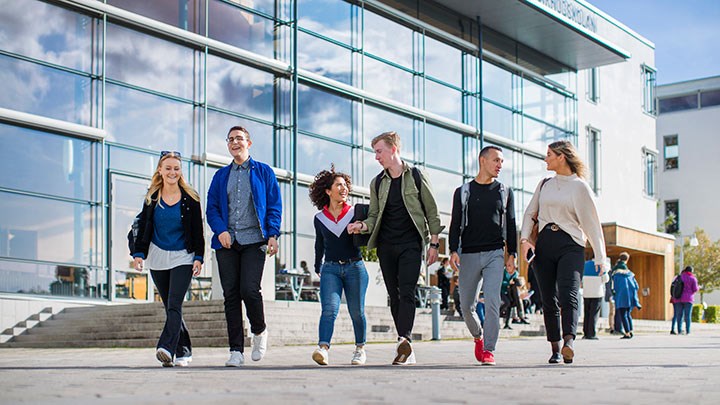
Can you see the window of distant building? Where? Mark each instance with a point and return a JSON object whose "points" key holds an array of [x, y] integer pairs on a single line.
{"points": [[593, 86], [594, 158], [672, 216], [710, 98], [648, 77], [649, 172], [670, 151], [679, 103]]}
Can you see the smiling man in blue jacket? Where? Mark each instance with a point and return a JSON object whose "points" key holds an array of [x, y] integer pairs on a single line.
{"points": [[244, 209]]}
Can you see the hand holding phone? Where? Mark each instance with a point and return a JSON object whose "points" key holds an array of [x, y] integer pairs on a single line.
{"points": [[530, 256]]}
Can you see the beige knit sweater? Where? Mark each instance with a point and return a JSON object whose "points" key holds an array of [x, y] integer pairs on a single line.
{"points": [[568, 202]]}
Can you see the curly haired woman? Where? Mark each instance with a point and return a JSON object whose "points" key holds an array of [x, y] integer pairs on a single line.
{"points": [[343, 268]]}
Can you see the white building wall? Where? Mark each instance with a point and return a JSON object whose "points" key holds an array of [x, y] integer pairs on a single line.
{"points": [[625, 129]]}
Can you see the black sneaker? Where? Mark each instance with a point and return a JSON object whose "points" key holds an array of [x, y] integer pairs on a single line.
{"points": [[555, 358]]}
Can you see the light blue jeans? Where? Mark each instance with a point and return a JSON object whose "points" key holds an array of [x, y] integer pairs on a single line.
{"points": [[334, 279]]}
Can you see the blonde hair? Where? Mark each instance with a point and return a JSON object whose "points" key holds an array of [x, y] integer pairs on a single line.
{"points": [[571, 157], [156, 183], [391, 138]]}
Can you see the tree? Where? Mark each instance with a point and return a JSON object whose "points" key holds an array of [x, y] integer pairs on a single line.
{"points": [[705, 259]]}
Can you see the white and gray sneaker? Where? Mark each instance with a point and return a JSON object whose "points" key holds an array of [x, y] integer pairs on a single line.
{"points": [[320, 355], [259, 345], [183, 361], [358, 357], [164, 357], [236, 359], [405, 354]]}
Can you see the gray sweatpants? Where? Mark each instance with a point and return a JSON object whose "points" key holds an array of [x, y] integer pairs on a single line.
{"points": [[485, 267]]}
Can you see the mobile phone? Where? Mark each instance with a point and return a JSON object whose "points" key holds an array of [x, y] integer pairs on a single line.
{"points": [[530, 256]]}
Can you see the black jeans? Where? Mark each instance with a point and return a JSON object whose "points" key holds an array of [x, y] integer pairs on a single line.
{"points": [[241, 270], [510, 300], [172, 285], [400, 265], [445, 293], [590, 318], [559, 265]]}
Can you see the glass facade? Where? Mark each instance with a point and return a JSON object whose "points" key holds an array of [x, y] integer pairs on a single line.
{"points": [[179, 80]]}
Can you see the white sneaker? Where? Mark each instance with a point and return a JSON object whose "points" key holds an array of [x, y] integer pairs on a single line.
{"points": [[359, 357], [183, 361], [405, 354], [259, 345], [236, 359], [320, 355], [164, 357]]}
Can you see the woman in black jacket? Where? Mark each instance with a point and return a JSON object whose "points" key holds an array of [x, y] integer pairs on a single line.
{"points": [[171, 240]]}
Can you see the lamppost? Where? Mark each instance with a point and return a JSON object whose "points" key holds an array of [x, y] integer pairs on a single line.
{"points": [[693, 242]]}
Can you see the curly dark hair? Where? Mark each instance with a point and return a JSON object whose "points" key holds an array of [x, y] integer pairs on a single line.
{"points": [[324, 181]]}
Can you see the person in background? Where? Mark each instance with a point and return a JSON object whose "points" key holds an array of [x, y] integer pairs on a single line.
{"points": [[625, 289], [171, 240], [593, 294], [343, 269], [443, 279], [677, 314], [244, 210], [690, 287], [567, 217]]}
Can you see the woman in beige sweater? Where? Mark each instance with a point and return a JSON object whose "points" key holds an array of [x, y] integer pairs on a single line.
{"points": [[567, 217]]}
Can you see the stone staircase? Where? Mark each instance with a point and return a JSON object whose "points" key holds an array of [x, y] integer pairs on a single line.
{"points": [[139, 325]]}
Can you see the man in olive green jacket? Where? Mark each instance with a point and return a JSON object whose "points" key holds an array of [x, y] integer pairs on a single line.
{"points": [[401, 220]]}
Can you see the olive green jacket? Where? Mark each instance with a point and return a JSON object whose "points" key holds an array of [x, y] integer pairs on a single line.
{"points": [[427, 223]]}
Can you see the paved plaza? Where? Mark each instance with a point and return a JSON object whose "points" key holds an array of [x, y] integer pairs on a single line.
{"points": [[652, 368]]}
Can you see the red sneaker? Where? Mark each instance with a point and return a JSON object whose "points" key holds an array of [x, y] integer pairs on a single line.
{"points": [[488, 359], [479, 346]]}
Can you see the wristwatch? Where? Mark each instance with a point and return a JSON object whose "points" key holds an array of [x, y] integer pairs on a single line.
{"points": [[435, 245]]}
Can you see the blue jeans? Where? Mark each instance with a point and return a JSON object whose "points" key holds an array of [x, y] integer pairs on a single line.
{"points": [[334, 279], [677, 316], [481, 312], [686, 312]]}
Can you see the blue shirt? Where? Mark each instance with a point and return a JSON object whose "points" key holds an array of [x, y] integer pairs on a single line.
{"points": [[168, 231], [243, 224]]}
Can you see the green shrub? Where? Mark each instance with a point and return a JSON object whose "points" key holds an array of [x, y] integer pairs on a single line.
{"points": [[697, 311], [711, 313]]}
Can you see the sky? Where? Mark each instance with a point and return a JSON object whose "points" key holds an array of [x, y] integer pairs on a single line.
{"points": [[686, 34]]}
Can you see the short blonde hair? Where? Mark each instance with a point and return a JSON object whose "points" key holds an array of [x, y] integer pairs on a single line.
{"points": [[391, 139]]}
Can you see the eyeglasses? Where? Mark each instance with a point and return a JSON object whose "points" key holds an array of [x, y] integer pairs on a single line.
{"points": [[232, 139], [171, 153]]}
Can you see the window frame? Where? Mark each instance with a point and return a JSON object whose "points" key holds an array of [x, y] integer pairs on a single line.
{"points": [[594, 144], [676, 213], [649, 79], [665, 157], [592, 93], [649, 183]]}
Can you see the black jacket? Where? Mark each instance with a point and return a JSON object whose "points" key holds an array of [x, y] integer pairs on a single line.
{"points": [[191, 216]]}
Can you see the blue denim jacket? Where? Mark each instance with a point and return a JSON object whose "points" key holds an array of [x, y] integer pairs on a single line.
{"points": [[266, 198]]}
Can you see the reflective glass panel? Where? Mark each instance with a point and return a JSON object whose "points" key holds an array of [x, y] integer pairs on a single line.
{"points": [[534, 171], [443, 61], [325, 113], [186, 14], [148, 121], [45, 91], [384, 80], [497, 84], [306, 213], [42, 31], [324, 58], [45, 163], [331, 18], [49, 279], [545, 104], [143, 60], [315, 155], [710, 98], [443, 186], [497, 120], [378, 120], [444, 148], [40, 229], [241, 28], [443, 100], [538, 135], [388, 39], [239, 88], [689, 102], [261, 135]]}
